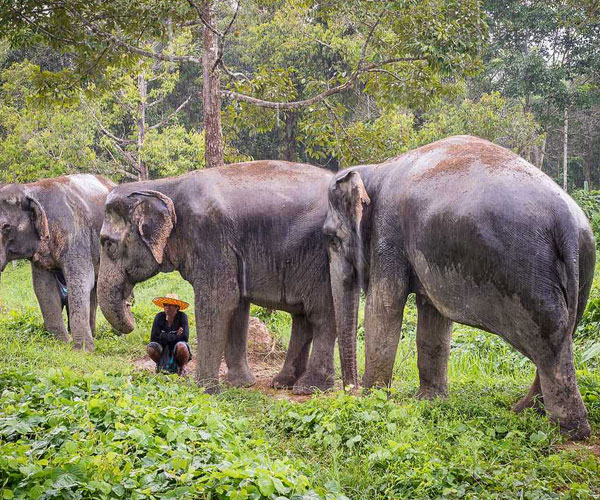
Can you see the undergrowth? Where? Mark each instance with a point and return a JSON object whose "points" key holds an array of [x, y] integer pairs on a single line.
{"points": [[87, 426]]}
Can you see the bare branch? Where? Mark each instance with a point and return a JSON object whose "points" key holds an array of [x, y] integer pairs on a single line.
{"points": [[133, 48], [179, 108], [222, 37], [127, 174], [237, 8], [157, 101], [201, 17], [314, 39], [233, 74], [103, 129], [36, 26], [363, 52], [127, 155], [284, 106], [288, 105], [391, 73]]}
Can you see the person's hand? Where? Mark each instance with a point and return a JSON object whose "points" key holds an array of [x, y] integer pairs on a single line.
{"points": [[180, 330]]}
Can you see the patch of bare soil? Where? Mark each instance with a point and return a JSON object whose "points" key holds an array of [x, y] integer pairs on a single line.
{"points": [[265, 358], [589, 445]]}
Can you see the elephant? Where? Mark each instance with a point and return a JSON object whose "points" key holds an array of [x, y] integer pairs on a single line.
{"points": [[243, 233], [482, 238], [55, 223]]}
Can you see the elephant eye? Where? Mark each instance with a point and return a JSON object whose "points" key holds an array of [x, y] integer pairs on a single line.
{"points": [[6, 229], [333, 240], [109, 245]]}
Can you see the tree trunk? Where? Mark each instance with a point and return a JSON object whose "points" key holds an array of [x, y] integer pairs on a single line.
{"points": [[290, 140], [211, 92], [141, 167], [543, 153], [565, 147], [587, 159]]}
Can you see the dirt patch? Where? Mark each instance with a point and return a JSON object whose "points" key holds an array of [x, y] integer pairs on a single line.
{"points": [[265, 358], [590, 445]]}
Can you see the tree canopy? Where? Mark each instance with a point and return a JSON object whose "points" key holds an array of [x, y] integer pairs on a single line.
{"points": [[150, 87]]}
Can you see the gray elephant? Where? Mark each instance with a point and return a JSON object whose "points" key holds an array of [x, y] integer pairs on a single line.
{"points": [[55, 223], [241, 234], [482, 238]]}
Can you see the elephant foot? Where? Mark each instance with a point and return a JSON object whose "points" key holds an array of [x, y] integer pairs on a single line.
{"points": [[431, 392], [310, 383], [575, 430], [240, 378], [284, 380]]}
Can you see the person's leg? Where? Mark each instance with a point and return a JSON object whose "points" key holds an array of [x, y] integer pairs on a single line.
{"points": [[154, 350], [182, 355]]}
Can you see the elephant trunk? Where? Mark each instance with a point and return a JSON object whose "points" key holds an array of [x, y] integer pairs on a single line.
{"points": [[3, 259], [114, 291], [345, 291]]}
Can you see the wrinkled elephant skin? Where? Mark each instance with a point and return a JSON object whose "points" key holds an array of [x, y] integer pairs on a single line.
{"points": [[240, 234], [55, 223], [482, 238]]}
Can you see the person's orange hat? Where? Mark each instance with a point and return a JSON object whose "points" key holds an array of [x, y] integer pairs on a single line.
{"points": [[171, 298]]}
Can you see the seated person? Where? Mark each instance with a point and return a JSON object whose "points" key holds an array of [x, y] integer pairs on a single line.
{"points": [[168, 345]]}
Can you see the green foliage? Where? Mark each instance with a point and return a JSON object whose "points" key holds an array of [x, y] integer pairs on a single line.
{"points": [[173, 151], [298, 49], [99, 436], [41, 139], [470, 446], [394, 131], [589, 201], [81, 425], [491, 117]]}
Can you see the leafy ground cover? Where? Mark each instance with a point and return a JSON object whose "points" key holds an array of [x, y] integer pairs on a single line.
{"points": [[88, 426]]}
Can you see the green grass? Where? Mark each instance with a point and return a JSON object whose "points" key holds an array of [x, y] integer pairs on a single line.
{"points": [[77, 425]]}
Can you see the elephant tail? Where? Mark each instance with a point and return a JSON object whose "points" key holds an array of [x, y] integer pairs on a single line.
{"points": [[587, 263], [577, 254]]}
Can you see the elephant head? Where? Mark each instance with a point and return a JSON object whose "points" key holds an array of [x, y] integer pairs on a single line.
{"points": [[24, 231], [348, 268], [134, 235]]}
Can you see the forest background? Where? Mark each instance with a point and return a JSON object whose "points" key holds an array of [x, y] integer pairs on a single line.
{"points": [[128, 89]]}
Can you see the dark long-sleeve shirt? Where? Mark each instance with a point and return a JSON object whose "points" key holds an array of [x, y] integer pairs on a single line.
{"points": [[167, 335]]}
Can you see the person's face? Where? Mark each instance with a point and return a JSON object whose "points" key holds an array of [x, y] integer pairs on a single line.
{"points": [[170, 309]]}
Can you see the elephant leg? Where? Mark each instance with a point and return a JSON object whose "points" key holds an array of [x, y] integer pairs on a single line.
{"points": [[93, 310], [236, 349], [386, 298], [533, 399], [48, 295], [434, 335], [296, 357], [320, 371], [79, 274], [562, 398], [215, 304]]}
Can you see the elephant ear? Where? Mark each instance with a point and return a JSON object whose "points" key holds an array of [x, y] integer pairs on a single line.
{"points": [[40, 220], [154, 214], [351, 196]]}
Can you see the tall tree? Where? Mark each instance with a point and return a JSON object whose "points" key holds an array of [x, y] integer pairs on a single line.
{"points": [[374, 45], [545, 54]]}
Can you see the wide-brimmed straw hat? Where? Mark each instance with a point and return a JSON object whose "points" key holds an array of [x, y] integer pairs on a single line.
{"points": [[171, 298]]}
